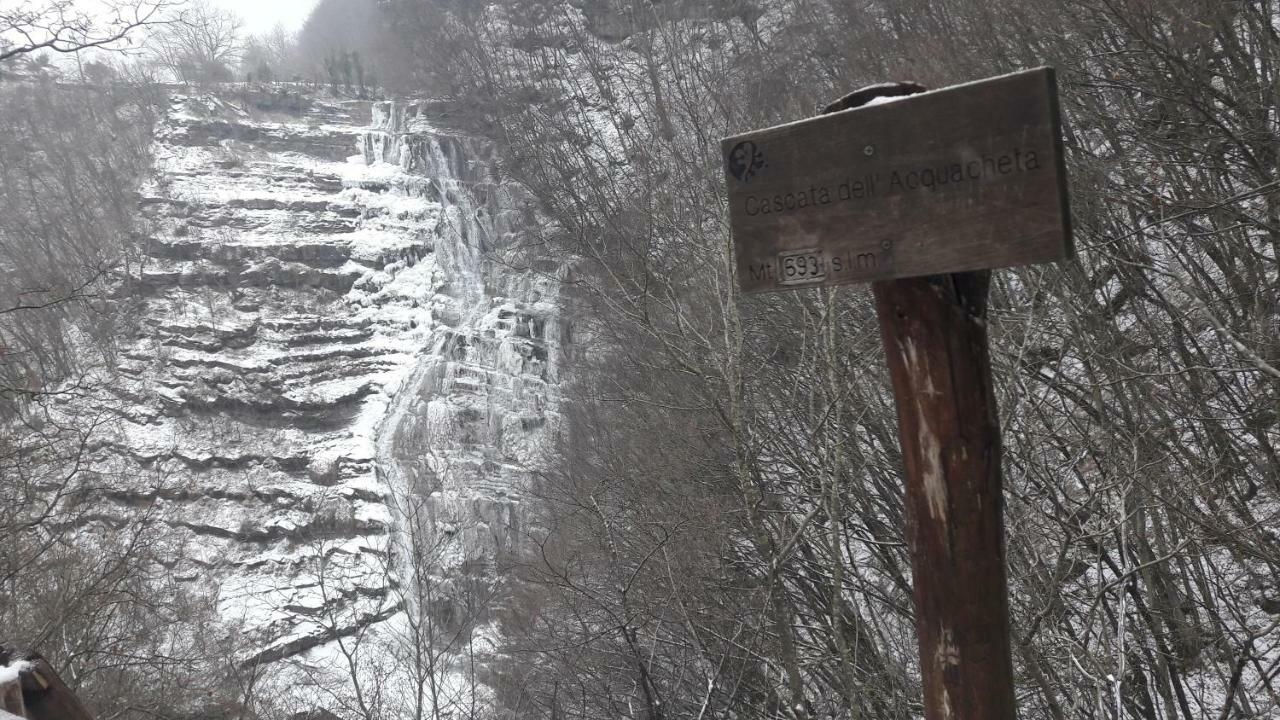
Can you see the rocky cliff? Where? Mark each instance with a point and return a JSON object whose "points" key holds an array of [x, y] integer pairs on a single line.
{"points": [[329, 370]]}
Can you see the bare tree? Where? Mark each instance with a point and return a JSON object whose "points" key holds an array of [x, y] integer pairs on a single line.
{"points": [[69, 26], [202, 44], [88, 590], [271, 56]]}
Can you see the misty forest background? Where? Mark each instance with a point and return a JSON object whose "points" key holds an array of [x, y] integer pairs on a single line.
{"points": [[722, 534]]}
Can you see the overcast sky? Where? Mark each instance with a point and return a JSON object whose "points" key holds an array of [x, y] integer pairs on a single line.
{"points": [[261, 15]]}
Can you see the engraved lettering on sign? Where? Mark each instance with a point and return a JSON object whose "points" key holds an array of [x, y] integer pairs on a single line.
{"points": [[873, 185], [761, 271]]}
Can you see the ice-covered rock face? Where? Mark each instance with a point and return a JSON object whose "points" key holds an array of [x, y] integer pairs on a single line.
{"points": [[479, 415], [324, 349]]}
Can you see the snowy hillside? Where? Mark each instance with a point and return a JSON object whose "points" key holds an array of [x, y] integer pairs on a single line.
{"points": [[326, 370]]}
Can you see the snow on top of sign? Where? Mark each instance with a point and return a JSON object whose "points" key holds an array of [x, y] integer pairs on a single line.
{"points": [[10, 673], [884, 100]]}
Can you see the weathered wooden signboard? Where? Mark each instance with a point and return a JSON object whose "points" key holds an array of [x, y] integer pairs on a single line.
{"points": [[963, 178]]}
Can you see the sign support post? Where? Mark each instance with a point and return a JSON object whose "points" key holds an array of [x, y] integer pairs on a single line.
{"points": [[935, 341], [923, 195]]}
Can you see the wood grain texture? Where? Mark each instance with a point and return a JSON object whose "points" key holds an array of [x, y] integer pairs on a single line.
{"points": [[935, 340], [47, 697], [11, 698], [963, 178], [39, 693]]}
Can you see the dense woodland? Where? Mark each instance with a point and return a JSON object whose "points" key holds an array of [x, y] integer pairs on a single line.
{"points": [[722, 535]]}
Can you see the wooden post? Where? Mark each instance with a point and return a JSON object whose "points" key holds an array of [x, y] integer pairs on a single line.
{"points": [[40, 692], [11, 697], [935, 340], [48, 697]]}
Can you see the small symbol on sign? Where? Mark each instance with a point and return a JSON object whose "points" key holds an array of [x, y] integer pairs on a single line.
{"points": [[744, 160]]}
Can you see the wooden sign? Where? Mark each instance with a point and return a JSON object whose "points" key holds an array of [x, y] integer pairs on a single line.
{"points": [[963, 178]]}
